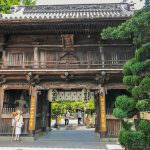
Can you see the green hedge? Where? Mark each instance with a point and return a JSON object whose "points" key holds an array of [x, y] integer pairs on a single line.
{"points": [[125, 103], [132, 140], [119, 113], [132, 80], [126, 67]]}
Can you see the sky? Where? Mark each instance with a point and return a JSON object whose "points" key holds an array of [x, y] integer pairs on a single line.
{"points": [[138, 3]]}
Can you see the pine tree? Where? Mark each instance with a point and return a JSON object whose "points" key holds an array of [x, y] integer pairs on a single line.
{"points": [[136, 73]]}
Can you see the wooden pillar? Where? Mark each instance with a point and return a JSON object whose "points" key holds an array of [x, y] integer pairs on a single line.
{"points": [[49, 117], [1, 99], [32, 116], [36, 58], [97, 106], [103, 127]]}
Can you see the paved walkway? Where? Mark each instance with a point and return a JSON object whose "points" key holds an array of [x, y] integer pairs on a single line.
{"points": [[63, 140]]}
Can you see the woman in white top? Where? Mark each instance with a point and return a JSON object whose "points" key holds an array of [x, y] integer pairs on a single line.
{"points": [[18, 125]]}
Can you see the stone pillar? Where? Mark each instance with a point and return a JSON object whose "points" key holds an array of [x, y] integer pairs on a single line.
{"points": [[32, 116], [36, 58], [1, 99], [103, 127]]}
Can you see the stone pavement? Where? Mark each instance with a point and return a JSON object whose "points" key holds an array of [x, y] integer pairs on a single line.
{"points": [[63, 140]]}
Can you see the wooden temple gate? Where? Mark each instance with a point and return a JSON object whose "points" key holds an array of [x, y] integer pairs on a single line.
{"points": [[37, 114], [59, 47]]}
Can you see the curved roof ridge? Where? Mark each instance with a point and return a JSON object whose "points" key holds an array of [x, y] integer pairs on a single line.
{"points": [[69, 11]]}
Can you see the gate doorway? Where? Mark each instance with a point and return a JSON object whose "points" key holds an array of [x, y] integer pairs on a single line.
{"points": [[72, 109]]}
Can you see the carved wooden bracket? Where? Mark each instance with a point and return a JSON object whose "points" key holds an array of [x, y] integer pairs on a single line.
{"points": [[102, 78], [67, 76], [32, 79], [2, 80]]}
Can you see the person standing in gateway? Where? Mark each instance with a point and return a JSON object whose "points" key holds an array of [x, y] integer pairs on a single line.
{"points": [[79, 115], [67, 116]]}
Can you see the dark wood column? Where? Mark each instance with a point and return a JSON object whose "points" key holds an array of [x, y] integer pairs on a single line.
{"points": [[97, 109]]}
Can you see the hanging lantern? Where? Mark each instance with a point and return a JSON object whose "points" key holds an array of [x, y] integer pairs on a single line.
{"points": [[51, 95]]}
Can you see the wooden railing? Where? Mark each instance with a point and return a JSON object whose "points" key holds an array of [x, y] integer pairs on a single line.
{"points": [[113, 127], [65, 64], [10, 110], [6, 121]]}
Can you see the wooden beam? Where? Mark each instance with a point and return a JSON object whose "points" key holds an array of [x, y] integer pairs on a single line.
{"points": [[68, 85], [16, 86], [61, 46], [110, 86], [32, 46]]}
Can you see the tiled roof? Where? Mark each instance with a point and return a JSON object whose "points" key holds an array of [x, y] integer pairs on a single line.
{"points": [[74, 11]]}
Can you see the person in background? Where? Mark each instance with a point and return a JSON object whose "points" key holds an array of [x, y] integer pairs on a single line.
{"points": [[67, 116], [18, 124], [79, 115]]}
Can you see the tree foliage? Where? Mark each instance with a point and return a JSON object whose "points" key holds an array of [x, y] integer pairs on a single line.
{"points": [[137, 28], [60, 107], [5, 5], [136, 76]]}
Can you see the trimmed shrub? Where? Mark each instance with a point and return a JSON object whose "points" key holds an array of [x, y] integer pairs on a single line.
{"points": [[145, 84], [126, 125], [125, 103], [144, 126], [132, 80], [126, 67], [119, 113], [137, 68], [132, 140]]}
